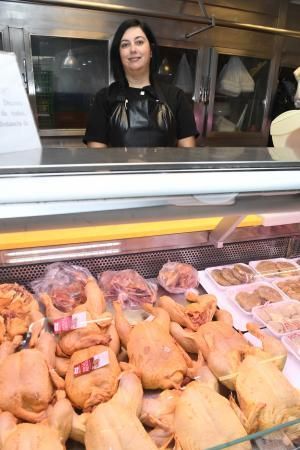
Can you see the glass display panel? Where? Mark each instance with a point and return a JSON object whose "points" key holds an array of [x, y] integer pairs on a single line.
{"points": [[178, 66], [285, 92], [67, 74], [285, 436], [241, 87]]}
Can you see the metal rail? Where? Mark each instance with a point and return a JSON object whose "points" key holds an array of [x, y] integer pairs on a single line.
{"points": [[163, 15]]}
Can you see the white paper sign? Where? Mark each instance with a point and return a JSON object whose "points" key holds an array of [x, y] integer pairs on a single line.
{"points": [[18, 130]]}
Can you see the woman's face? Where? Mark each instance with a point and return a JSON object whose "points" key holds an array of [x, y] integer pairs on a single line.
{"points": [[135, 51]]}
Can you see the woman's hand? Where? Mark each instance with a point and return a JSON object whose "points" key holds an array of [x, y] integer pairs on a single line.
{"points": [[93, 144], [189, 141]]}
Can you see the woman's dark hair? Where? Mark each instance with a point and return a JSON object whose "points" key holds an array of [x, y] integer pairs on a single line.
{"points": [[115, 60]]}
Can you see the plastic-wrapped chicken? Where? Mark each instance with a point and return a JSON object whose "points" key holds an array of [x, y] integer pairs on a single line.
{"points": [[64, 283], [127, 286], [177, 277]]}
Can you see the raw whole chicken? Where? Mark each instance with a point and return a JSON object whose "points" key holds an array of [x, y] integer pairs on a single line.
{"points": [[27, 381], [224, 348], [152, 351], [265, 395], [201, 309], [204, 419], [18, 310], [99, 328], [158, 411], [50, 435], [96, 386], [115, 424]]}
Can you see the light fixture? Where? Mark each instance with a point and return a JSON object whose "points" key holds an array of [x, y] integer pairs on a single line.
{"points": [[164, 68], [70, 61]]}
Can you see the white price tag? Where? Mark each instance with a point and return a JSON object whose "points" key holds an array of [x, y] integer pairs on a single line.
{"points": [[79, 320], [100, 360], [150, 318]]}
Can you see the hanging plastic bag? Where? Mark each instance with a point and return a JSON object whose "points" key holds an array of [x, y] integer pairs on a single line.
{"points": [[127, 286], [234, 78], [64, 283], [297, 95], [177, 277], [183, 78]]}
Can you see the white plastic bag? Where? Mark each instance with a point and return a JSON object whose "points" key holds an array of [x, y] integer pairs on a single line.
{"points": [[297, 95], [183, 78], [234, 78]]}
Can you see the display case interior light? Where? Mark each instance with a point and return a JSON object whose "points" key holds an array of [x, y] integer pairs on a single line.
{"points": [[70, 61], [66, 252]]}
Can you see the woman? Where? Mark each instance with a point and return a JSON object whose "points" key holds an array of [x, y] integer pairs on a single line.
{"points": [[136, 110]]}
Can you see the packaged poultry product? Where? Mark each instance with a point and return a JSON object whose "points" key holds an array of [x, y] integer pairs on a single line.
{"points": [[281, 318], [19, 311], [290, 287], [177, 277], [230, 275], [275, 268], [254, 294], [127, 286], [64, 283]]}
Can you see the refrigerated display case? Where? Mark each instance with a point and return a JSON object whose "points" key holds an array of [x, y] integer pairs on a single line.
{"points": [[144, 207]]}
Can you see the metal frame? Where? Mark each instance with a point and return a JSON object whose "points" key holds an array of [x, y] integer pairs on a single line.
{"points": [[5, 39], [212, 23], [163, 15], [262, 135]]}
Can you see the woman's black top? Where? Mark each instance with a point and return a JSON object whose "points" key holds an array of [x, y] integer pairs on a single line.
{"points": [[150, 117]]}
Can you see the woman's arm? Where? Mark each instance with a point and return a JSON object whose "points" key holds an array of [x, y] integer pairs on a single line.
{"points": [[189, 141], [93, 144]]}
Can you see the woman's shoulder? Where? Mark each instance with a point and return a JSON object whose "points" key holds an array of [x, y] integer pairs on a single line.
{"points": [[107, 91], [168, 88]]}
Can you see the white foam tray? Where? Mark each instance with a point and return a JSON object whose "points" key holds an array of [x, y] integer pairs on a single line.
{"points": [[292, 366], [240, 319], [259, 275]]}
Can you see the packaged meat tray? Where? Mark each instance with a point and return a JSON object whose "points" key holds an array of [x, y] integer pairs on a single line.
{"points": [[255, 294], [280, 318], [231, 275], [290, 287], [292, 343], [275, 269]]}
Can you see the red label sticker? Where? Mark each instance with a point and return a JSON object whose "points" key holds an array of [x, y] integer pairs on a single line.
{"points": [[63, 324], [96, 362], [68, 323]]}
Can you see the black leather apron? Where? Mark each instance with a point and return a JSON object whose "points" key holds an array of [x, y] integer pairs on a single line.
{"points": [[144, 122]]}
